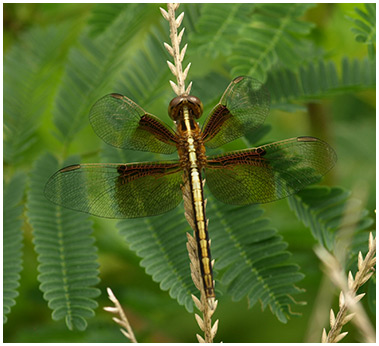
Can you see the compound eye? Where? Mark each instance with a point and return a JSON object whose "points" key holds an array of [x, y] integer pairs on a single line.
{"points": [[173, 107], [196, 105]]}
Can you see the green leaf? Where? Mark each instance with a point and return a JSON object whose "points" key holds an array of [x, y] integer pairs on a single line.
{"points": [[146, 77], [161, 243], [218, 26], [320, 79], [191, 16], [92, 69], [12, 240], [253, 257], [365, 27], [64, 244], [274, 35], [104, 15], [29, 68], [328, 211]]}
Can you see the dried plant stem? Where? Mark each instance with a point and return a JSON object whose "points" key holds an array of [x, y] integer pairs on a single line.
{"points": [[348, 300], [344, 237], [174, 50], [122, 321], [206, 306]]}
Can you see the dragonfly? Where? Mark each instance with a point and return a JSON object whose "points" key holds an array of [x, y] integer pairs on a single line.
{"points": [[131, 190]]}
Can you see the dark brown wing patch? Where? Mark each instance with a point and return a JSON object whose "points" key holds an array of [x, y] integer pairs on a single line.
{"points": [[220, 114]]}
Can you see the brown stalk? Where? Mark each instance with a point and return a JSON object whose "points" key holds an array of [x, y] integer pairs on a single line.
{"points": [[122, 321], [349, 300], [206, 306]]}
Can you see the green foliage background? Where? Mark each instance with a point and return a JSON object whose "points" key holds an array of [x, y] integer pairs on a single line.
{"points": [[318, 62]]}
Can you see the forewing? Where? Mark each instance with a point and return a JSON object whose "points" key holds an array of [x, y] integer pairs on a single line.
{"points": [[269, 172], [242, 109], [122, 123], [117, 190]]}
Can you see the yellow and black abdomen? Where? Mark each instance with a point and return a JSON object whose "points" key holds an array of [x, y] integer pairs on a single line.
{"points": [[192, 157], [201, 231]]}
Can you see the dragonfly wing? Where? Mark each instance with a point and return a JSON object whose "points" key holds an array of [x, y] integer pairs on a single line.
{"points": [[117, 190], [122, 123], [269, 172], [243, 107]]}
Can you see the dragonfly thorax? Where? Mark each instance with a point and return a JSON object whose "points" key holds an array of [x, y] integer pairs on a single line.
{"points": [[177, 104]]}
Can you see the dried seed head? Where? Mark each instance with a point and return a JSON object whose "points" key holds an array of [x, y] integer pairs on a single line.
{"points": [[171, 66], [188, 90], [174, 49], [341, 300], [340, 337], [169, 49], [358, 298], [360, 260], [175, 88], [197, 302], [164, 13], [365, 278], [183, 52], [348, 318], [199, 321], [211, 303], [127, 335], [111, 309], [180, 36], [214, 329], [323, 336], [179, 19], [186, 71], [350, 280], [200, 339], [371, 241], [332, 318]]}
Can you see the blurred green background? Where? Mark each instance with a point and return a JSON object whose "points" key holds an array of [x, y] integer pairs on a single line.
{"points": [[348, 124]]}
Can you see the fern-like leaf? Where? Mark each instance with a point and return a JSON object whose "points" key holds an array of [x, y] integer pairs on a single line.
{"points": [[317, 80], [275, 34], [91, 70], [12, 240], [161, 243], [218, 26], [365, 27], [27, 67], [103, 16], [68, 261], [191, 17], [145, 79], [328, 210], [253, 257]]}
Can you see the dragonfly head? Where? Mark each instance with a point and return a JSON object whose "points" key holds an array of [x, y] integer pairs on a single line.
{"points": [[175, 108]]}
